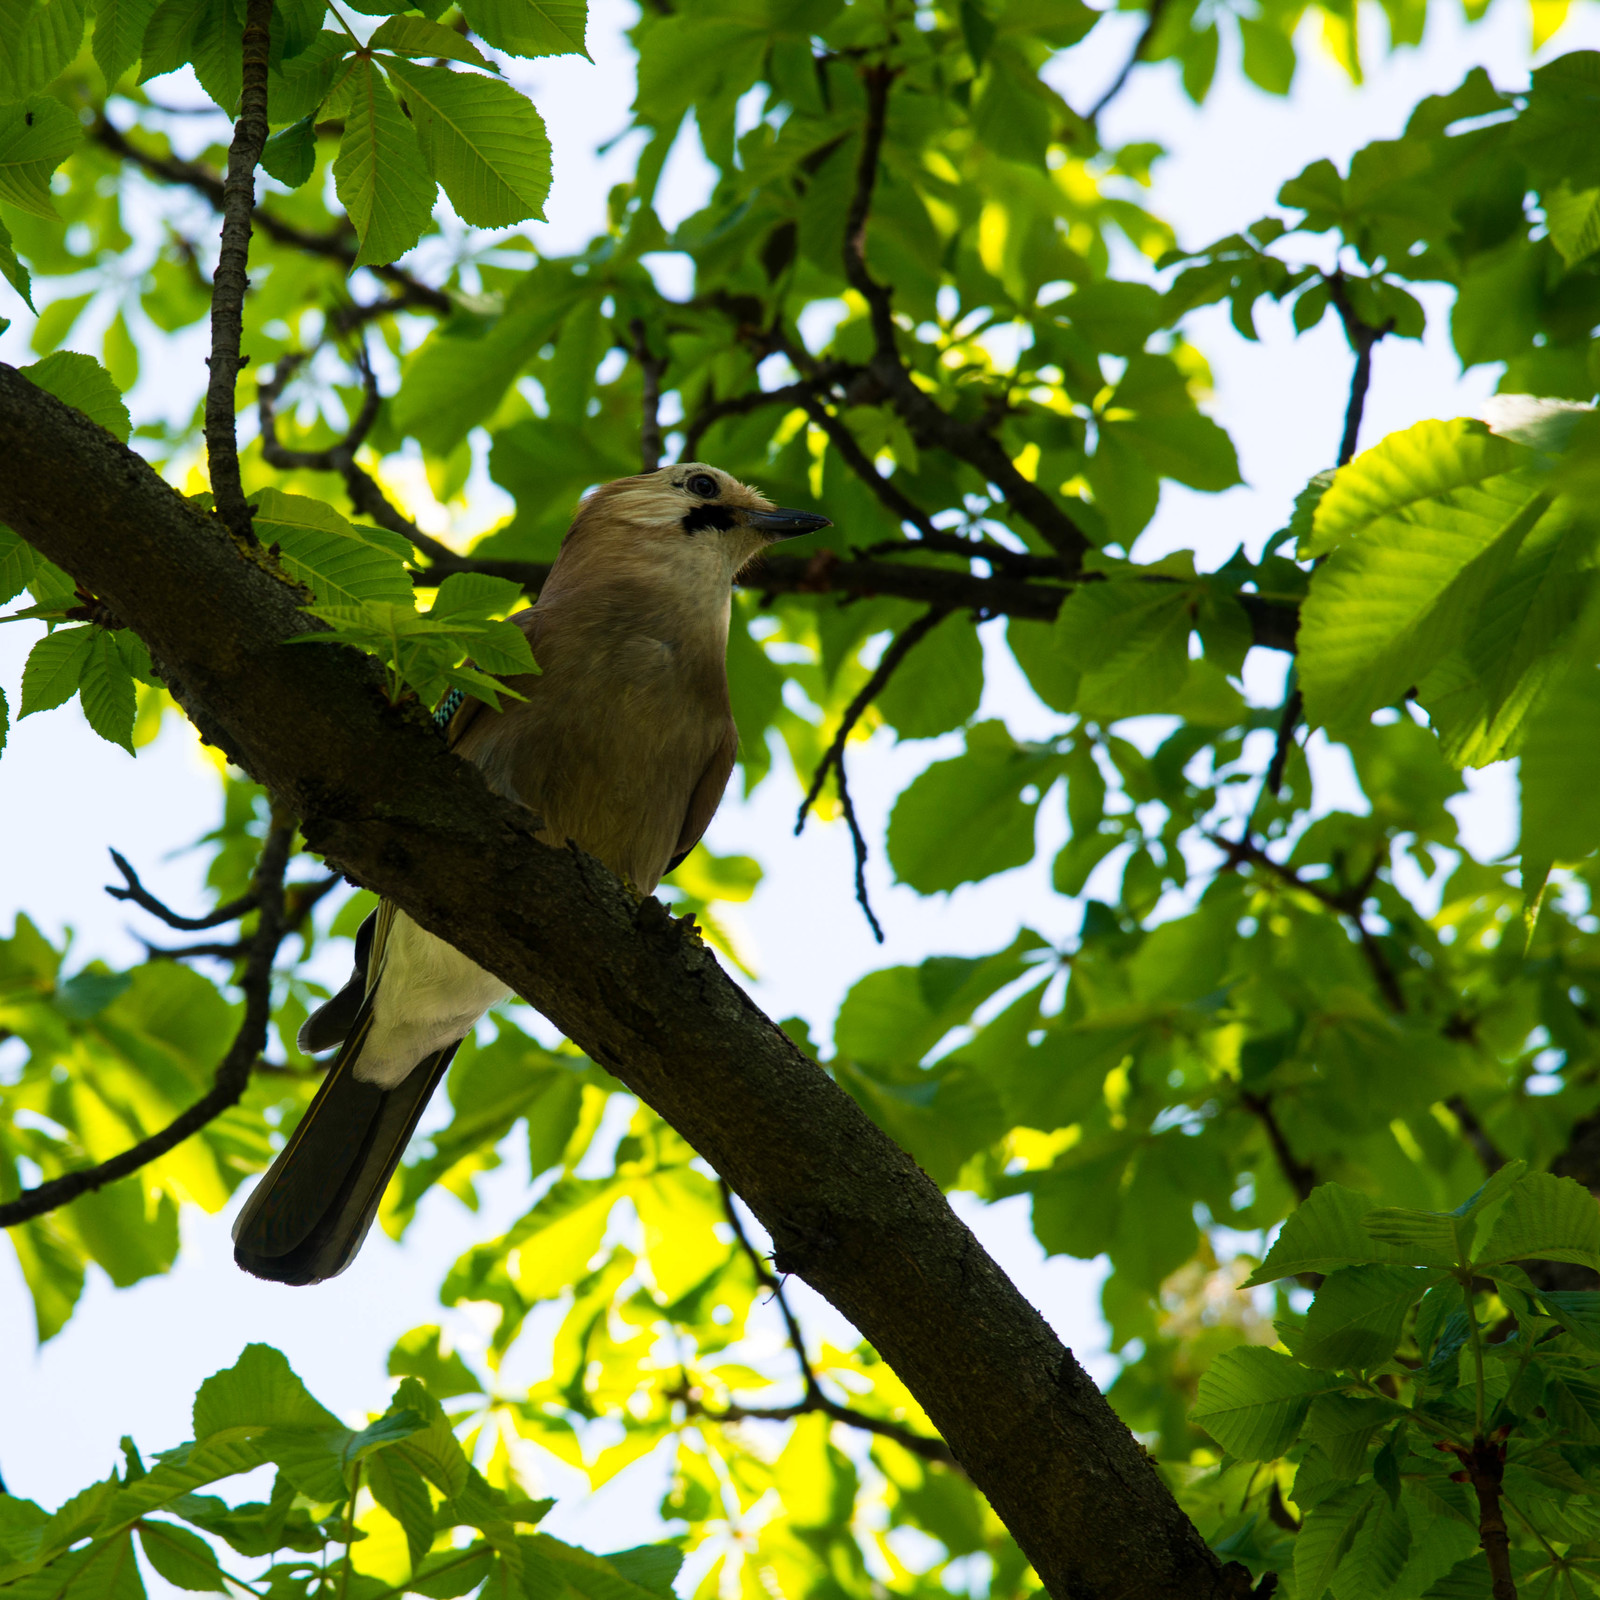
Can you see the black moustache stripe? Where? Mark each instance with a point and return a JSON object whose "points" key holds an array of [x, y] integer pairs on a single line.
{"points": [[718, 517]]}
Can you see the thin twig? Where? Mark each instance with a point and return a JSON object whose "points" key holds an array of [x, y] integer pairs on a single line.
{"points": [[815, 1399], [339, 245], [651, 369], [362, 488], [1363, 337], [858, 841], [899, 648], [232, 276], [929, 422], [232, 1075], [1302, 1178], [739, 405], [132, 889], [1135, 56], [858, 461], [1273, 782], [1484, 1148], [1348, 903]]}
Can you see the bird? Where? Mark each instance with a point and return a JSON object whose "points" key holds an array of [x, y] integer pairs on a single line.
{"points": [[622, 746]]}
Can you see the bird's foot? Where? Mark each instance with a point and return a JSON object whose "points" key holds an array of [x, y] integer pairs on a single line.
{"points": [[689, 925]]}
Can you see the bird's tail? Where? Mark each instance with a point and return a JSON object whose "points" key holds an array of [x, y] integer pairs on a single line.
{"points": [[308, 1216]]}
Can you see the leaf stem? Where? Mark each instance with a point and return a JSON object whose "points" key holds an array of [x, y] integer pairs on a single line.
{"points": [[349, 1530], [1476, 1335]]}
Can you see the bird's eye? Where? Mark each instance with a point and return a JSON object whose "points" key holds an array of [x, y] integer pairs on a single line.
{"points": [[703, 485]]}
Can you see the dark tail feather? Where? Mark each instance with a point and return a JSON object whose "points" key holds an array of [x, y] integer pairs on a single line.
{"points": [[311, 1212]]}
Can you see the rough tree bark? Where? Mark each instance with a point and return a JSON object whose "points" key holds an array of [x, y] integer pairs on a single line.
{"points": [[383, 798]]}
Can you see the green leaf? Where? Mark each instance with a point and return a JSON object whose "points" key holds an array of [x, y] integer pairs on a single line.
{"points": [[939, 684], [434, 1451], [181, 1557], [298, 86], [13, 271], [416, 36], [1129, 643], [36, 136], [1578, 1311], [38, 39], [290, 155], [81, 382], [1574, 221], [106, 692], [1356, 1319], [1426, 1238], [531, 27], [1252, 1401], [482, 140], [474, 597], [1323, 1235], [170, 36], [379, 173], [1326, 1537], [5, 719], [55, 669], [1560, 799], [1342, 1427], [111, 1572], [967, 819], [260, 1390], [340, 563], [1420, 531], [398, 1487], [1547, 1218]]}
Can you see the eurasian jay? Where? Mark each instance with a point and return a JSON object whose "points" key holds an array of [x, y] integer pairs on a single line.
{"points": [[623, 746]]}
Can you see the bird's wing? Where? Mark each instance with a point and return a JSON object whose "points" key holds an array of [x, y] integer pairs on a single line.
{"points": [[707, 794]]}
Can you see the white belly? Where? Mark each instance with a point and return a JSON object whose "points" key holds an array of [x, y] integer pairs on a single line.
{"points": [[429, 995]]}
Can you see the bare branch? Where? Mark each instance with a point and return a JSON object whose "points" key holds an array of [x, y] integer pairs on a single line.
{"points": [[1135, 56], [858, 841], [972, 443], [898, 649], [365, 495], [1363, 338], [232, 1075], [1273, 782], [1274, 622], [1347, 902], [651, 369], [739, 405], [232, 276], [815, 1399], [1484, 1148], [854, 457], [132, 889], [339, 245], [1301, 1177]]}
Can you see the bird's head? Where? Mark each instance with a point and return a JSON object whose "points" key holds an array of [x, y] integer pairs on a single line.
{"points": [[688, 519]]}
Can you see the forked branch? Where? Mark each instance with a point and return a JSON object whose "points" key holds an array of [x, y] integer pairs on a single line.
{"points": [[232, 1075]]}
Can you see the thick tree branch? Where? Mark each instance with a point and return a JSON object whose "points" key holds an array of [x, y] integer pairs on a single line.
{"points": [[232, 276], [380, 795], [233, 1075], [928, 421]]}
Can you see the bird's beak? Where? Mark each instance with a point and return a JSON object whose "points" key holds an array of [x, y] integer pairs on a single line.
{"points": [[784, 524]]}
